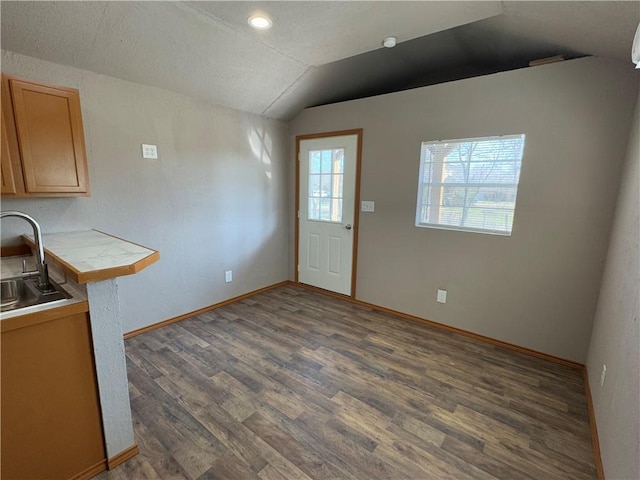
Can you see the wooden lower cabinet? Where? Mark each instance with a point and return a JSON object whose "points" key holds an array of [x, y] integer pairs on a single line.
{"points": [[51, 423]]}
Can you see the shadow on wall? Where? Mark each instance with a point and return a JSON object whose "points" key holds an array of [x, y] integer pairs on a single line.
{"points": [[262, 147]]}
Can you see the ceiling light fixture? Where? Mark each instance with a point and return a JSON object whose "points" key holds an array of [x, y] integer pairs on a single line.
{"points": [[389, 42], [260, 22]]}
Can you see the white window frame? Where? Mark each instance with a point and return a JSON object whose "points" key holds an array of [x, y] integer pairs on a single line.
{"points": [[426, 186]]}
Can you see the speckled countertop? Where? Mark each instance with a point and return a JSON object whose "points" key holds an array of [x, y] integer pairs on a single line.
{"points": [[91, 255], [77, 258]]}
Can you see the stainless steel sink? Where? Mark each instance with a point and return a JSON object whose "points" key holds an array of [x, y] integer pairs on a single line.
{"points": [[21, 292]]}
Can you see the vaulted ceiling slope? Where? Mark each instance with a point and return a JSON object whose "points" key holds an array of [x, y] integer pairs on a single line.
{"points": [[316, 52]]}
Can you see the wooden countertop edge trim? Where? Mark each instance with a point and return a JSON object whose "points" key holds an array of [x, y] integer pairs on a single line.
{"points": [[34, 318], [105, 273], [120, 271]]}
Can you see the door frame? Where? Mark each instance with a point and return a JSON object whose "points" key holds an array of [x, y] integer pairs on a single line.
{"points": [[356, 200]]}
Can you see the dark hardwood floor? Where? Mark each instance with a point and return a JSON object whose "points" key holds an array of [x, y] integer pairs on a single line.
{"points": [[292, 384]]}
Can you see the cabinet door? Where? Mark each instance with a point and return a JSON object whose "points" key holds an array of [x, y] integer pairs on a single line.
{"points": [[51, 422], [12, 183], [51, 138], [8, 183]]}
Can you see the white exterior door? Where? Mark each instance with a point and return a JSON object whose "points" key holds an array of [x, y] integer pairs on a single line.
{"points": [[327, 186]]}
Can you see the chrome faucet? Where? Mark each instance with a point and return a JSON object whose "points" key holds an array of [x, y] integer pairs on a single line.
{"points": [[42, 269]]}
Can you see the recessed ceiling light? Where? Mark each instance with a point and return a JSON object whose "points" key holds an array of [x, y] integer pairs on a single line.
{"points": [[389, 42], [260, 22]]}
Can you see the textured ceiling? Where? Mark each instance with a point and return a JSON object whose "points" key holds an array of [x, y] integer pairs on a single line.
{"points": [[316, 52]]}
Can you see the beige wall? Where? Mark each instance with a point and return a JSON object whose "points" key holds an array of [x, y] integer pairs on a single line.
{"points": [[616, 336], [537, 288], [215, 200]]}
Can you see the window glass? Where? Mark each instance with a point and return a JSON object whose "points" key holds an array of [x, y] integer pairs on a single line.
{"points": [[326, 172], [470, 184]]}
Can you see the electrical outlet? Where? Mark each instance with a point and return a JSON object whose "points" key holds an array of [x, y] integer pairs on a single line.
{"points": [[368, 206], [441, 296], [149, 151], [228, 276], [603, 374]]}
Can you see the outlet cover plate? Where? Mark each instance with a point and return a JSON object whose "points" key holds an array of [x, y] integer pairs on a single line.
{"points": [[441, 296], [228, 276], [368, 206], [149, 151]]}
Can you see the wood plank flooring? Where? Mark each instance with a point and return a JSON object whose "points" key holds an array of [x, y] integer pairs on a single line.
{"points": [[292, 384]]}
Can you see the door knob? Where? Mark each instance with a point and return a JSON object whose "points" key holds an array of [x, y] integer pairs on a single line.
{"points": [[348, 226]]}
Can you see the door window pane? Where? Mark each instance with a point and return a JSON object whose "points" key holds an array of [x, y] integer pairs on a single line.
{"points": [[326, 186], [314, 162], [324, 196], [314, 185], [326, 161], [325, 209], [314, 208]]}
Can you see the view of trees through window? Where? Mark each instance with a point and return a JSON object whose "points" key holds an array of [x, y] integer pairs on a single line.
{"points": [[326, 172], [470, 184]]}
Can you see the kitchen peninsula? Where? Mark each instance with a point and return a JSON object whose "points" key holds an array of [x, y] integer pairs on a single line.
{"points": [[93, 260]]}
